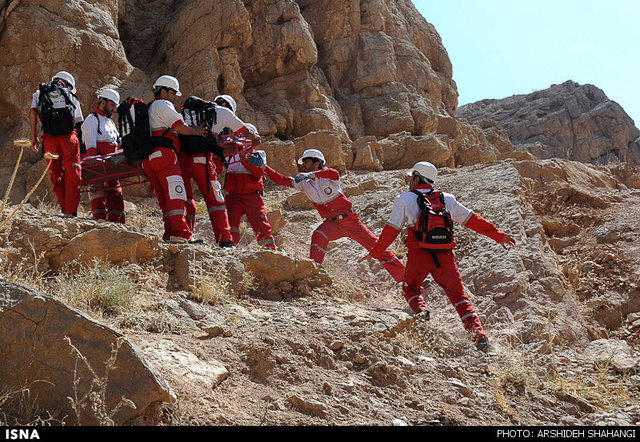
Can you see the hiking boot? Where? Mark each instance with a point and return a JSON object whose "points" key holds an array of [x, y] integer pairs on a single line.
{"points": [[177, 240], [423, 315], [196, 241], [420, 322], [484, 345], [226, 244]]}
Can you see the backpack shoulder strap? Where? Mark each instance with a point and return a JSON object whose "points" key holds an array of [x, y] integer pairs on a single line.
{"points": [[95, 114], [74, 96], [43, 88], [423, 203]]}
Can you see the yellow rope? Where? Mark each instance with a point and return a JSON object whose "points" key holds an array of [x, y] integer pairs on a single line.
{"points": [[17, 143], [48, 156]]}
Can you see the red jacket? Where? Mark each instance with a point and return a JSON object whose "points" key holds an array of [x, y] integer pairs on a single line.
{"points": [[324, 191], [243, 177]]}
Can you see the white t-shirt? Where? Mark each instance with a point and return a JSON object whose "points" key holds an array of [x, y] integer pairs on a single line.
{"points": [[320, 190], [108, 131], [405, 210], [163, 115], [236, 165], [224, 118]]}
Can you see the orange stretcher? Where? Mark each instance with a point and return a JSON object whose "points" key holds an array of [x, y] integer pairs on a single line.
{"points": [[99, 170]]}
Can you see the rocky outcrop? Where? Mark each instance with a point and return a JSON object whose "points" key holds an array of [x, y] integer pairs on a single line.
{"points": [[569, 121], [51, 244], [79, 369], [386, 65]]}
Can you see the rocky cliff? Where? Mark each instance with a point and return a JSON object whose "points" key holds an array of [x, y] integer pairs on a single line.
{"points": [[569, 120], [370, 81]]}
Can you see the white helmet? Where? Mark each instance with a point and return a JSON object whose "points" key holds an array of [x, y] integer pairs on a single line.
{"points": [[312, 153], [65, 76], [169, 82], [109, 94], [426, 170], [229, 99]]}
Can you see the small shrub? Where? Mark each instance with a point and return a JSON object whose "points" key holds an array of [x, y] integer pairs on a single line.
{"points": [[95, 398], [153, 320], [210, 285], [25, 272], [99, 288]]}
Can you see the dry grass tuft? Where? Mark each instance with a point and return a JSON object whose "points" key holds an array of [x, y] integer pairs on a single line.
{"points": [[95, 398], [209, 285], [26, 272], [604, 390], [99, 288], [18, 407], [49, 157]]}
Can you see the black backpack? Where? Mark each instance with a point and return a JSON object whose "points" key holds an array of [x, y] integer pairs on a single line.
{"points": [[196, 111], [434, 227], [135, 133], [57, 108]]}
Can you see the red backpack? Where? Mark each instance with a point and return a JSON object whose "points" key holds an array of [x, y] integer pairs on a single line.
{"points": [[434, 227]]}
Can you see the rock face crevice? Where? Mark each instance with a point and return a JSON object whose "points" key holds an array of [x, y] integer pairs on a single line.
{"points": [[386, 65], [140, 27]]}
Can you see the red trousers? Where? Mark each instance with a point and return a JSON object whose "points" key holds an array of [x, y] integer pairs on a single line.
{"points": [[196, 167], [66, 171], [167, 185], [252, 205], [352, 227], [106, 200], [420, 263]]}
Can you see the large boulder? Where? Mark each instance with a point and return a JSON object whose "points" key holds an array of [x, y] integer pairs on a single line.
{"points": [[85, 371], [113, 243]]}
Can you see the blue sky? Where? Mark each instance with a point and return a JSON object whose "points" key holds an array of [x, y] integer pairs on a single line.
{"points": [[500, 48]]}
